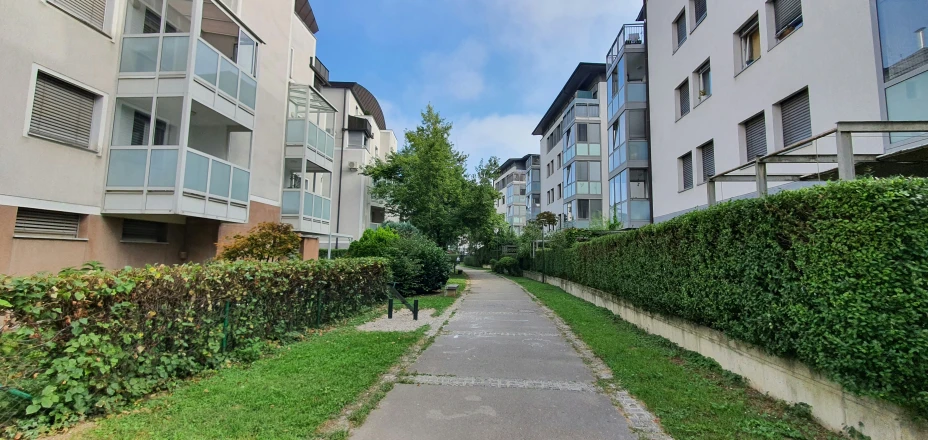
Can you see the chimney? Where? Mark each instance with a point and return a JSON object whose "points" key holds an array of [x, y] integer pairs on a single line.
{"points": [[920, 34]]}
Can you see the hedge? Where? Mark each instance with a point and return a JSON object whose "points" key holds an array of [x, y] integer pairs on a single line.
{"points": [[90, 341], [834, 275]]}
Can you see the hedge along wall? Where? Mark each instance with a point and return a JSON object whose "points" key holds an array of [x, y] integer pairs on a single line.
{"points": [[85, 342], [834, 275]]}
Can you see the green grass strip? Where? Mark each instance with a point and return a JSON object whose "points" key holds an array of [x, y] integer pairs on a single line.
{"points": [[439, 302], [285, 396], [692, 396]]}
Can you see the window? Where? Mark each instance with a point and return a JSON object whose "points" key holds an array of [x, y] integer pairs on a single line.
{"points": [[583, 209], [750, 43], [699, 10], [92, 12], [796, 118], [708, 161], [755, 137], [37, 223], [582, 133], [683, 98], [560, 192], [679, 30], [62, 111], [704, 75], [138, 231], [560, 162], [686, 171], [788, 15], [908, 101], [902, 36]]}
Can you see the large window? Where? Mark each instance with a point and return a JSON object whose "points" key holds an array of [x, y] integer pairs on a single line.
{"points": [[62, 111], [908, 101], [903, 24], [583, 177], [628, 197]]}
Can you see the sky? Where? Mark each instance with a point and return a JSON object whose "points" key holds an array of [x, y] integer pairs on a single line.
{"points": [[491, 67]]}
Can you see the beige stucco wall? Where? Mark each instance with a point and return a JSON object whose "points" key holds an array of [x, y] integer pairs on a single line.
{"points": [[784, 379], [833, 54], [303, 43]]}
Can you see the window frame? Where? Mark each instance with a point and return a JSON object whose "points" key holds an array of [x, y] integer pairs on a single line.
{"points": [[681, 161], [700, 77], [105, 29], [680, 94], [698, 20], [751, 27], [678, 39], [790, 28], [101, 104], [702, 156]]}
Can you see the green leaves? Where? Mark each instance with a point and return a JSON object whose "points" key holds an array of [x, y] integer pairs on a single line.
{"points": [[835, 276]]}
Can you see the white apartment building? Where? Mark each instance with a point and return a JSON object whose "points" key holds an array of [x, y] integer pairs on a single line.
{"points": [[147, 131], [574, 153], [519, 186], [362, 136], [731, 81]]}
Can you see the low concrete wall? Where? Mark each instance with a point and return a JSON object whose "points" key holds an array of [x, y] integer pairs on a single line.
{"points": [[784, 379]]}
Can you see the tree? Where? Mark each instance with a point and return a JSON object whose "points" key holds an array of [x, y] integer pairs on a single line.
{"points": [[426, 184], [488, 171], [265, 242], [546, 219]]}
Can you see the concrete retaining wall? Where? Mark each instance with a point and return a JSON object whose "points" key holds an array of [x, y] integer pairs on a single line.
{"points": [[784, 379]]}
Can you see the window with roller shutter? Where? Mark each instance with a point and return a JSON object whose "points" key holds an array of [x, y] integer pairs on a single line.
{"points": [[683, 98], [62, 112], [755, 137], [37, 223], [700, 10], [708, 161], [788, 16], [92, 12], [686, 163], [797, 118], [679, 26], [139, 231]]}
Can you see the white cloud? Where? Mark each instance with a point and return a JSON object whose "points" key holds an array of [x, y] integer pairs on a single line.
{"points": [[504, 136], [457, 74]]}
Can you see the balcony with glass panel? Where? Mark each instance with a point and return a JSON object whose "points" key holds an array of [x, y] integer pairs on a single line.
{"points": [[626, 84], [629, 198], [310, 128], [306, 202]]}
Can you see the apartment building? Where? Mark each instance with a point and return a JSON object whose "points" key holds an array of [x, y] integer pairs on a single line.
{"points": [[574, 183], [733, 81], [147, 131], [517, 190], [362, 136]]}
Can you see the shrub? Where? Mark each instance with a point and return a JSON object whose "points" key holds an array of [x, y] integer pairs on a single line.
{"points": [[471, 261], [833, 275], [85, 342], [493, 263], [265, 242], [508, 266], [418, 265], [336, 253], [405, 229]]}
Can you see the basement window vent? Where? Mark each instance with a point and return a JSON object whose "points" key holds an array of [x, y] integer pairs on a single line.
{"points": [[139, 231], [36, 223]]}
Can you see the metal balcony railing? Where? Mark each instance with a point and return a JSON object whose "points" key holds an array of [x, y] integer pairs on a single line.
{"points": [[630, 34]]}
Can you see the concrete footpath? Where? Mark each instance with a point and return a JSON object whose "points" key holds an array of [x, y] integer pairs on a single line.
{"points": [[500, 369]]}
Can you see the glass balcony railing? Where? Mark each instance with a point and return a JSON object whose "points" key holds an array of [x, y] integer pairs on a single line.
{"points": [[301, 131], [218, 71], [311, 206], [215, 179]]}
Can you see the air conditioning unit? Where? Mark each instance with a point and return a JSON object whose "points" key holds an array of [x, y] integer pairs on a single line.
{"points": [[352, 166]]}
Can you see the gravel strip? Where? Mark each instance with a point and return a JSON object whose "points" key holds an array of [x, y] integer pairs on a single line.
{"points": [[402, 321]]}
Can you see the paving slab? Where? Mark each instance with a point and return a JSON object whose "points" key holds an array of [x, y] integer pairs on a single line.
{"points": [[414, 412]]}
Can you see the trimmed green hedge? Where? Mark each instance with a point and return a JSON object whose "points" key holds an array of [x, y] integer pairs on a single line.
{"points": [[336, 253], [835, 276], [90, 341]]}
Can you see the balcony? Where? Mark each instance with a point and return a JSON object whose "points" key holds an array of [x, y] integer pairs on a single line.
{"points": [[306, 211], [321, 71], [631, 34], [310, 128]]}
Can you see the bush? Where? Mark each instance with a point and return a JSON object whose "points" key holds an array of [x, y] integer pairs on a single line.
{"points": [[86, 342], [336, 253], [417, 264], [493, 263], [471, 261], [508, 266], [265, 242], [835, 276]]}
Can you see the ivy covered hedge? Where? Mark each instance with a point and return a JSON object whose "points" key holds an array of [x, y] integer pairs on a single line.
{"points": [[90, 341], [835, 276]]}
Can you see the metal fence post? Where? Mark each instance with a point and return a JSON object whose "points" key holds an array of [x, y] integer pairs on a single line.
{"points": [[415, 310], [390, 308]]}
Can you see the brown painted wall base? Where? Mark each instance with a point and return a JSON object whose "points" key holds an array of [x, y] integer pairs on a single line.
{"points": [[310, 248]]}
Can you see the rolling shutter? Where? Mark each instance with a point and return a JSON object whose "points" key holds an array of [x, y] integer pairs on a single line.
{"points": [[91, 11], [708, 161], [797, 120], [684, 98], [62, 111], [144, 232], [700, 6], [687, 170], [681, 29], [787, 12], [48, 224], [755, 134]]}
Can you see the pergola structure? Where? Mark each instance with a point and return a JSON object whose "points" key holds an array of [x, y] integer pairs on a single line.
{"points": [[845, 158]]}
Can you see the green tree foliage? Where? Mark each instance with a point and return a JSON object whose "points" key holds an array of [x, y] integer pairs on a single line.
{"points": [[426, 184], [418, 265], [835, 276], [546, 219], [265, 242], [93, 341]]}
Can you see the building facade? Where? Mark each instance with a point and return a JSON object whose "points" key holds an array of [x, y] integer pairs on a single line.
{"points": [[148, 131], [517, 190], [733, 81], [574, 150]]}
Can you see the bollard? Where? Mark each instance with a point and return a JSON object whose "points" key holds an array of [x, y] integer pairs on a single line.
{"points": [[415, 310], [390, 309]]}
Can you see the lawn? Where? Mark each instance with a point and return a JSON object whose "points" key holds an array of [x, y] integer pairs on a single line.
{"points": [[693, 397], [437, 302], [285, 396]]}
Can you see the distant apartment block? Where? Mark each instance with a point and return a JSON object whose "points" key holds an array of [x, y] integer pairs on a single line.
{"points": [[147, 131], [518, 191]]}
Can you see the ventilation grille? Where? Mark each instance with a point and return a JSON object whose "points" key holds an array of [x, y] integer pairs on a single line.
{"points": [[46, 224]]}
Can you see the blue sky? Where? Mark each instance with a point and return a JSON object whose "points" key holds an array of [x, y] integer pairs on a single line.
{"points": [[492, 67]]}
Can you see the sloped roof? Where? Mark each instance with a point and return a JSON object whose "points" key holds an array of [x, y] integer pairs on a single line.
{"points": [[366, 99]]}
